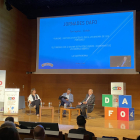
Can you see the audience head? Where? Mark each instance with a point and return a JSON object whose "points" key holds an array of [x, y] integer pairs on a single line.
{"points": [[8, 132], [11, 119], [68, 91], [39, 132], [8, 124], [81, 121], [90, 91], [138, 138], [33, 91]]}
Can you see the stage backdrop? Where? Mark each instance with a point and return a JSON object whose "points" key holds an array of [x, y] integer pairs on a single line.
{"points": [[2, 88], [50, 86]]}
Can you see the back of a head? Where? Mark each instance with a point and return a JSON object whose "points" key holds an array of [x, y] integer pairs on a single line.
{"points": [[39, 132], [11, 119], [8, 124], [138, 138], [9, 133], [81, 121]]}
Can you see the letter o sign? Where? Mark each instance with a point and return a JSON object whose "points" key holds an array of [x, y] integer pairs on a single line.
{"points": [[0, 82], [122, 113]]}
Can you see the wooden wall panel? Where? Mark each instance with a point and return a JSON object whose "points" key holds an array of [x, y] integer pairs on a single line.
{"points": [[33, 37], [15, 48], [49, 87]]}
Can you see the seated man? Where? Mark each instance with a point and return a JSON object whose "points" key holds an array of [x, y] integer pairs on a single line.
{"points": [[89, 100], [39, 133], [81, 122], [67, 101]]}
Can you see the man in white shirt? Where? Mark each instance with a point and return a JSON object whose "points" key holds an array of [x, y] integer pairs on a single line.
{"points": [[89, 100]]}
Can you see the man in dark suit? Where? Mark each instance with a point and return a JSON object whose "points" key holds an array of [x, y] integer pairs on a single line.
{"points": [[81, 122], [126, 62], [89, 100]]}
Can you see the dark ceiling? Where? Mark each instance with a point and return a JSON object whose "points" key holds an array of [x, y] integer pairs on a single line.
{"points": [[39, 8]]}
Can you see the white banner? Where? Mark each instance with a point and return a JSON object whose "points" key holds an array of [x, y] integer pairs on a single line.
{"points": [[118, 88], [11, 101], [2, 88]]}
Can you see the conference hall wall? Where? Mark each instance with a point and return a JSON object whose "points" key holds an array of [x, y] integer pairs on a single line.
{"points": [[51, 86], [15, 50]]}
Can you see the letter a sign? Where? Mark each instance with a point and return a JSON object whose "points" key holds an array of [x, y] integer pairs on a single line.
{"points": [[125, 101]]}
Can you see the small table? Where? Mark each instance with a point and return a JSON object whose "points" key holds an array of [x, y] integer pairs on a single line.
{"points": [[70, 111], [47, 108]]}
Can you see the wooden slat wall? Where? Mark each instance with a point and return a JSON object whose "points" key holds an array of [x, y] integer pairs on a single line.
{"points": [[15, 49], [49, 87]]}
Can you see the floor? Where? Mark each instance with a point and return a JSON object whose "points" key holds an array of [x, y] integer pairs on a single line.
{"points": [[99, 126]]}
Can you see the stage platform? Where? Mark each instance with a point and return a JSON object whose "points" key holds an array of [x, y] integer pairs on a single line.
{"points": [[99, 126]]}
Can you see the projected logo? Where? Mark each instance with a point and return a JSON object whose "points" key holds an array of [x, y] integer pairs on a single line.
{"points": [[47, 64], [117, 88], [11, 98]]}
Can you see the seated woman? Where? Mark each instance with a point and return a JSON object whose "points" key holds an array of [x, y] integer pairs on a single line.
{"points": [[34, 100]]}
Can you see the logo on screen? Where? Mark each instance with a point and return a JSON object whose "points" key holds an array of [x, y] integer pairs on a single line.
{"points": [[11, 98], [117, 88], [47, 64], [0, 82]]}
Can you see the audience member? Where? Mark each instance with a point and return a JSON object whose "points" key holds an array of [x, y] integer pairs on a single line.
{"points": [[39, 133], [138, 138], [11, 119], [8, 124], [81, 122], [8, 133]]}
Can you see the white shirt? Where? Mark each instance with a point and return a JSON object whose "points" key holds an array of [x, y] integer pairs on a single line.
{"points": [[88, 98], [31, 98], [67, 96]]}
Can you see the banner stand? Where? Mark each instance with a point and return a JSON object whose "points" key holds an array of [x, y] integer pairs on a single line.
{"points": [[11, 101], [2, 88]]}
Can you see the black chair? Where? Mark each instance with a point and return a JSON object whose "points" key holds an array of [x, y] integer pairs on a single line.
{"points": [[71, 136], [124, 138]]}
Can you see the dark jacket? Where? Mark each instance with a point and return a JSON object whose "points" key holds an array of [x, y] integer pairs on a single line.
{"points": [[91, 100], [82, 131]]}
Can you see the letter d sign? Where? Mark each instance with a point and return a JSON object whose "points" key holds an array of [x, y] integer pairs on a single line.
{"points": [[106, 100]]}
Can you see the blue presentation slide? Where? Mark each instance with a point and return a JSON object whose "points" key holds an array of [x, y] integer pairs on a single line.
{"points": [[100, 41]]}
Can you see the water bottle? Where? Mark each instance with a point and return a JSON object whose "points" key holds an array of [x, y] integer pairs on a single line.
{"points": [[49, 104], [65, 106], [70, 104]]}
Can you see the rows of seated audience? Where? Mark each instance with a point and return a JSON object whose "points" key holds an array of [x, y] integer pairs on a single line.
{"points": [[8, 130]]}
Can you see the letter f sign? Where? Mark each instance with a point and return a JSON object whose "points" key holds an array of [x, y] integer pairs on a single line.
{"points": [[110, 112]]}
